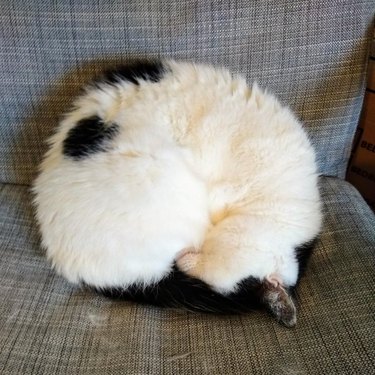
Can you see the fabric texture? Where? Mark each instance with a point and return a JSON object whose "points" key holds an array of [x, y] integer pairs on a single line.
{"points": [[50, 327], [312, 54]]}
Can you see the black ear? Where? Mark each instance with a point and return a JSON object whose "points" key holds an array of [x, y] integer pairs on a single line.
{"points": [[280, 303]]}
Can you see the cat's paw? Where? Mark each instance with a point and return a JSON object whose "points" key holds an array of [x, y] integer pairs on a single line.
{"points": [[187, 260], [279, 302]]}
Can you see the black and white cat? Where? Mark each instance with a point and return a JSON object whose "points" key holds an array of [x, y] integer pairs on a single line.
{"points": [[176, 184]]}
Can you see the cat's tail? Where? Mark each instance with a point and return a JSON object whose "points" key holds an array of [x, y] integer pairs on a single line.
{"points": [[179, 290]]}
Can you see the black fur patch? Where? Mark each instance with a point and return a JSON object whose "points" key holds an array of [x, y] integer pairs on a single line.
{"points": [[152, 71], [303, 254], [89, 136], [178, 290]]}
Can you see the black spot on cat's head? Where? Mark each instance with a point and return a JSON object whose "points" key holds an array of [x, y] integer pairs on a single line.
{"points": [[133, 72], [89, 136]]}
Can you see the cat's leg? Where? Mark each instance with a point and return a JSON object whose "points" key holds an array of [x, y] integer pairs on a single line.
{"points": [[242, 246], [279, 302]]}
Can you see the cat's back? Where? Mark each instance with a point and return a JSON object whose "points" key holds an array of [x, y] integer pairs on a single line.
{"points": [[191, 105]]}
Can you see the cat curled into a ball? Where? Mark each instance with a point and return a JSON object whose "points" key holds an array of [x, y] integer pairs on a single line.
{"points": [[177, 184]]}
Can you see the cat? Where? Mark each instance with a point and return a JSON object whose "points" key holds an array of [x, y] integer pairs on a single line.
{"points": [[177, 184]]}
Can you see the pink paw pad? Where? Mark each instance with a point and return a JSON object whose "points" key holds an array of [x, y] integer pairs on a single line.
{"points": [[275, 280]]}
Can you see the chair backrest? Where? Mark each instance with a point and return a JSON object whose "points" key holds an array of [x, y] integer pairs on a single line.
{"points": [[311, 53]]}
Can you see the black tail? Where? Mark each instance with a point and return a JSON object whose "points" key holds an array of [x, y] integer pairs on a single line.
{"points": [[178, 290]]}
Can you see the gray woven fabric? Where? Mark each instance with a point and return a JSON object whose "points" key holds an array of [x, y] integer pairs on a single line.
{"points": [[49, 327], [310, 52]]}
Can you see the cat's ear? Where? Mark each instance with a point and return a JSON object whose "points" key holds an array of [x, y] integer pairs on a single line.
{"points": [[280, 303]]}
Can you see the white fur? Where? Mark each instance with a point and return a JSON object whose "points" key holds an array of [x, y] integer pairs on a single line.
{"points": [[201, 163]]}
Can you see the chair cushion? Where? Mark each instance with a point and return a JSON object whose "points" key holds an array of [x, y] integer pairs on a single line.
{"points": [[311, 53], [50, 327]]}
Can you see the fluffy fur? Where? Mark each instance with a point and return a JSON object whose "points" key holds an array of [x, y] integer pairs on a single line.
{"points": [[178, 163]]}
